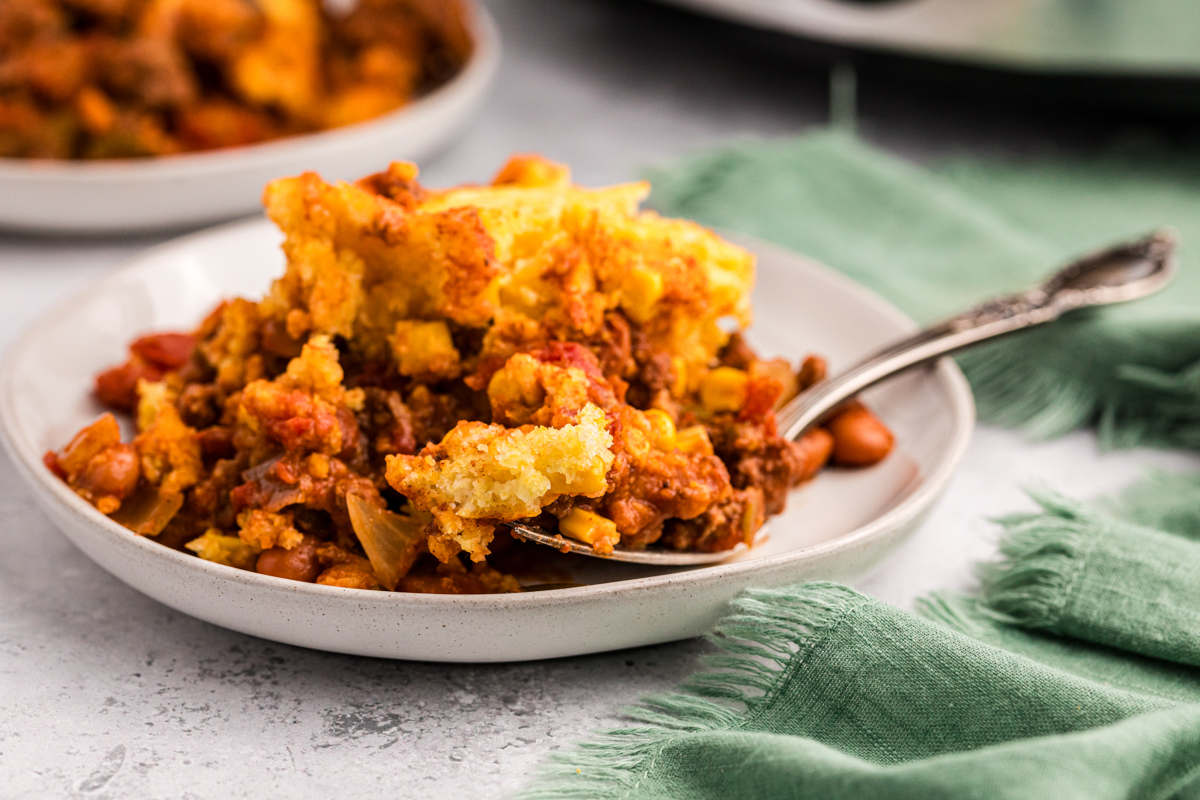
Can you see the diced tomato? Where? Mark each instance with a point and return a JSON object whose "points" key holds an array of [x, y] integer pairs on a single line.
{"points": [[569, 354], [50, 459], [294, 433], [761, 393], [602, 392], [287, 470], [479, 379], [167, 351], [117, 387]]}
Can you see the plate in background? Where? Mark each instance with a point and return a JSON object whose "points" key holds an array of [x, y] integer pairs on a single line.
{"points": [[191, 189], [837, 527], [1129, 38]]}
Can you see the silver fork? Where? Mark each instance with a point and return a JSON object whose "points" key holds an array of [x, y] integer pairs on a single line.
{"points": [[1118, 274]]}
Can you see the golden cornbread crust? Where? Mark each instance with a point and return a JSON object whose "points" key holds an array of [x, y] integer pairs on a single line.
{"points": [[486, 472], [434, 362]]}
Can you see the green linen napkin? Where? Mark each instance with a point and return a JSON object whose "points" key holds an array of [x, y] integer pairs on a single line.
{"points": [[822, 692], [1072, 673], [1076, 572]]}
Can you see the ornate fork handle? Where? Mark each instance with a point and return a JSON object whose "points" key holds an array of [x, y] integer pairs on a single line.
{"points": [[1109, 276]]}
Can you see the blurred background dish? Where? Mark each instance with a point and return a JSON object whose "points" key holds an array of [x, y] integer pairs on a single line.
{"points": [[72, 185], [135, 78], [1112, 54], [1113, 37]]}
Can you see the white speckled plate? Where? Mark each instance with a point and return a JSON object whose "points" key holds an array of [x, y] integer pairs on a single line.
{"points": [[837, 527], [124, 195]]}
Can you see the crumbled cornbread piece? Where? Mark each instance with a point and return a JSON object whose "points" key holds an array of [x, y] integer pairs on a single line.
{"points": [[220, 549], [590, 528], [489, 472], [426, 349], [529, 391], [299, 409], [169, 449], [265, 529]]}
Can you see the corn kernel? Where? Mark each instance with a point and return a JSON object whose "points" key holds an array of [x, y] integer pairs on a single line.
{"points": [[95, 110], [318, 466], [355, 399], [724, 389], [662, 429], [679, 386], [694, 440], [590, 528], [423, 348], [643, 289], [591, 483]]}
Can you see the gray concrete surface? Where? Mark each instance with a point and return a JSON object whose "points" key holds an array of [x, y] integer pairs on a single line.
{"points": [[106, 694]]}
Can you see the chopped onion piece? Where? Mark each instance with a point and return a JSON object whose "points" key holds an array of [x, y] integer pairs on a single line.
{"points": [[256, 472], [392, 541], [148, 511]]}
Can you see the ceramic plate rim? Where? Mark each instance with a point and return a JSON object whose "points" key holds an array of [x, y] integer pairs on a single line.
{"points": [[481, 65], [26, 456]]}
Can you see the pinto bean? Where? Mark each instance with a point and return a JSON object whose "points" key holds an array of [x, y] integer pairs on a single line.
{"points": [[813, 449], [113, 472], [166, 351], [859, 438], [298, 564], [812, 371]]}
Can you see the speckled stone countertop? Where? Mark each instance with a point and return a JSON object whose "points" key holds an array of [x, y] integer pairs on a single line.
{"points": [[105, 693]]}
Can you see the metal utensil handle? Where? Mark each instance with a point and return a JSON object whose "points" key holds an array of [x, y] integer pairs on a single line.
{"points": [[1102, 278], [1079, 284], [994, 318], [987, 320]]}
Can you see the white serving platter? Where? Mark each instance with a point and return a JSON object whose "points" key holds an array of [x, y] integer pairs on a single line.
{"points": [[193, 189], [838, 527]]}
